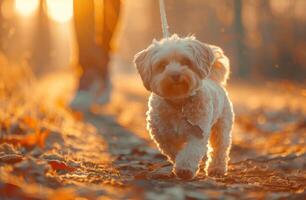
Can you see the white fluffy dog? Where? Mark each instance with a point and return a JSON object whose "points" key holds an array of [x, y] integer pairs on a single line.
{"points": [[189, 109]]}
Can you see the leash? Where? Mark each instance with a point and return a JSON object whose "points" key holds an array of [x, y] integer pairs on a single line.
{"points": [[192, 128], [163, 17], [165, 28]]}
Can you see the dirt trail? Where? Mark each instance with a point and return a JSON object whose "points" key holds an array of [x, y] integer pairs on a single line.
{"points": [[46, 151]]}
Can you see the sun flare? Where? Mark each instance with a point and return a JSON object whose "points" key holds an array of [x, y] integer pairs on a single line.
{"points": [[60, 10], [26, 8]]}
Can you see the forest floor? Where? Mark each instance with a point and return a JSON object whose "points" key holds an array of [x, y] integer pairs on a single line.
{"points": [[49, 152]]}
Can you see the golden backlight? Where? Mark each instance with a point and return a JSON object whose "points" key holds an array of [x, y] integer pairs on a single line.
{"points": [[26, 7], [60, 10]]}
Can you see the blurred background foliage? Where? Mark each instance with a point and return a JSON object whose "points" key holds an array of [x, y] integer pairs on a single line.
{"points": [[263, 38]]}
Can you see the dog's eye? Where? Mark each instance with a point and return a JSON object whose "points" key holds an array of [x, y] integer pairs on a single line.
{"points": [[185, 62], [159, 67]]}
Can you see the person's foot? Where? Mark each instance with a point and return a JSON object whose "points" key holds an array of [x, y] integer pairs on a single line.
{"points": [[82, 101], [94, 84], [99, 93], [103, 92]]}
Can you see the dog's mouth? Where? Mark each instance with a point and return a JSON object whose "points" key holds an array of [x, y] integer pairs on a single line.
{"points": [[175, 87]]}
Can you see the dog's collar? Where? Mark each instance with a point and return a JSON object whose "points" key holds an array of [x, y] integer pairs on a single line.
{"points": [[178, 104]]}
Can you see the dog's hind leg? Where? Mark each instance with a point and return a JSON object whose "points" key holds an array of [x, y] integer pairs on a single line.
{"points": [[219, 147]]}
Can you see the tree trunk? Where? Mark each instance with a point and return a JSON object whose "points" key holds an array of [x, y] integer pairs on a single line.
{"points": [[1, 27], [243, 68]]}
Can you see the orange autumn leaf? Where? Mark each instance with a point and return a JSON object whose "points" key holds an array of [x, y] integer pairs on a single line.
{"points": [[9, 190], [42, 138], [58, 165], [78, 115], [29, 141], [30, 122], [38, 138]]}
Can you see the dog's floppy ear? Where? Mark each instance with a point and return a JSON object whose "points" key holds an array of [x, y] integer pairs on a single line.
{"points": [[142, 62], [202, 56], [221, 65]]}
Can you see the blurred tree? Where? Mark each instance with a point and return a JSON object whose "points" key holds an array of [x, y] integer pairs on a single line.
{"points": [[280, 32], [266, 27], [1, 27], [243, 67]]}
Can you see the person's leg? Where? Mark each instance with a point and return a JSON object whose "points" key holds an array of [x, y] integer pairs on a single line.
{"points": [[94, 57], [110, 12], [88, 54], [84, 23]]}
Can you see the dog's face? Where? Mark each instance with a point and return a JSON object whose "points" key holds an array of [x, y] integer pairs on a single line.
{"points": [[174, 67]]}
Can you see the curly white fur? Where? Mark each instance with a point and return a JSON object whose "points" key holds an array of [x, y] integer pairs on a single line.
{"points": [[190, 114]]}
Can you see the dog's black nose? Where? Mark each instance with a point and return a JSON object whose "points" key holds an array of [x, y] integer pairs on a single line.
{"points": [[175, 77]]}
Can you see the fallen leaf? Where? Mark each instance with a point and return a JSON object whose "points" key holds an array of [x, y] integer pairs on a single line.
{"points": [[29, 141], [38, 138], [30, 122], [9, 190], [58, 165], [11, 158]]}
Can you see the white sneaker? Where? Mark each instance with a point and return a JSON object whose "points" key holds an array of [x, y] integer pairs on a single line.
{"points": [[82, 101], [98, 93], [103, 92]]}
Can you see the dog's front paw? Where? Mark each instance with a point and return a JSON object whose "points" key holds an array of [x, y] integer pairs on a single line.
{"points": [[185, 174], [216, 172], [184, 170], [185, 166]]}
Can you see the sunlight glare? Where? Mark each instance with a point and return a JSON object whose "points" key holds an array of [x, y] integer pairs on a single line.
{"points": [[26, 7], [60, 10]]}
